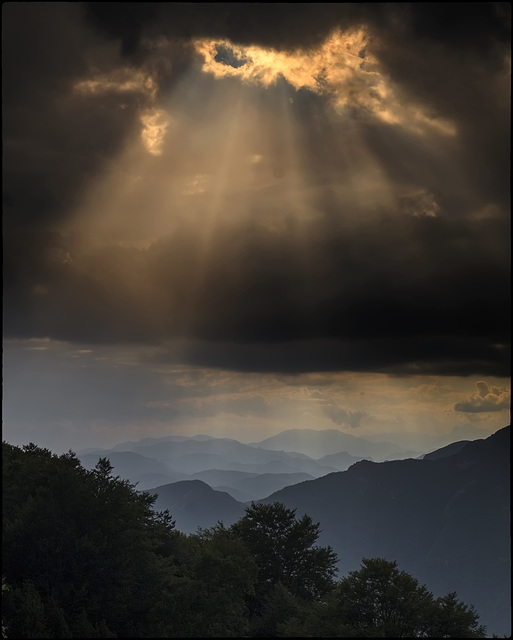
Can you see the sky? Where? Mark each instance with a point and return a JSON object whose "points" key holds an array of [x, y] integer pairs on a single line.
{"points": [[236, 219]]}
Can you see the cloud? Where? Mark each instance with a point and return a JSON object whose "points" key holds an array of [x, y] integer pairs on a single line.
{"points": [[341, 416], [288, 27], [433, 392], [487, 398], [340, 68], [333, 214]]}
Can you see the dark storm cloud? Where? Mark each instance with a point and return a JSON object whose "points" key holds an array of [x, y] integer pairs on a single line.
{"points": [[123, 23], [437, 355], [359, 304], [53, 145], [292, 25], [257, 287], [281, 25], [383, 294], [456, 70]]}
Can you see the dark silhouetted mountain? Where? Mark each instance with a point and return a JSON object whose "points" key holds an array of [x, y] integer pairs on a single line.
{"points": [[145, 481], [240, 496], [193, 504], [245, 486], [403, 455], [321, 443], [263, 484], [449, 450], [444, 520]]}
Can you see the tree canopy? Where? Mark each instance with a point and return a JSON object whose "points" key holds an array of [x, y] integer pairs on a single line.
{"points": [[86, 555], [285, 551], [380, 600], [82, 550]]}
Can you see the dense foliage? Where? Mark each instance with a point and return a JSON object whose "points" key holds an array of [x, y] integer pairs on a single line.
{"points": [[86, 555], [380, 600]]}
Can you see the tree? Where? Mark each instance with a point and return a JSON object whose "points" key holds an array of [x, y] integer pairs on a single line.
{"points": [[284, 550], [454, 619], [292, 570], [379, 600], [279, 607], [207, 595], [84, 553]]}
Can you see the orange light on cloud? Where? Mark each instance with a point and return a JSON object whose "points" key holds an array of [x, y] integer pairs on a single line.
{"points": [[126, 80], [155, 123], [342, 68], [123, 80]]}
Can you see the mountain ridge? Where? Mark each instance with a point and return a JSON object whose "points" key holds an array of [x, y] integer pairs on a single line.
{"points": [[445, 520], [327, 441]]}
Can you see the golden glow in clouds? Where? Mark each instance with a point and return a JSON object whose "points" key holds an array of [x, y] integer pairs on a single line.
{"points": [[342, 67]]}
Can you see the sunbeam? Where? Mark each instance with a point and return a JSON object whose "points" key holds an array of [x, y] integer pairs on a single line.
{"points": [[332, 204]]}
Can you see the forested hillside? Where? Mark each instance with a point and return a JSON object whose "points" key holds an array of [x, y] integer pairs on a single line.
{"points": [[86, 555]]}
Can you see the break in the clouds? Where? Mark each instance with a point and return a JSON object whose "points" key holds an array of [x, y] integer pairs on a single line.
{"points": [[262, 189]]}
